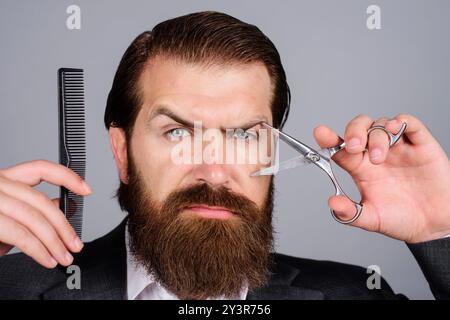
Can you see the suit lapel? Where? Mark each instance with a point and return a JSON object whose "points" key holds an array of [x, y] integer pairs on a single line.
{"points": [[280, 285]]}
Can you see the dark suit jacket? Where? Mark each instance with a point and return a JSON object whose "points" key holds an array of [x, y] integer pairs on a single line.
{"points": [[103, 275]]}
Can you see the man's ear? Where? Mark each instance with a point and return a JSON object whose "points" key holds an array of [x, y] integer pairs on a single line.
{"points": [[118, 142]]}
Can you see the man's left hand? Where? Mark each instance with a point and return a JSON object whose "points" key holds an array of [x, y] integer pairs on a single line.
{"points": [[405, 189]]}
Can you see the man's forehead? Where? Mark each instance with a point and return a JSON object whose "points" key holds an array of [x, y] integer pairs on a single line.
{"points": [[169, 76], [196, 94]]}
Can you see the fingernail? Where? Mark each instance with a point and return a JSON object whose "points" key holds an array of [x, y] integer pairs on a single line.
{"points": [[375, 154], [353, 143], [77, 243], [341, 215], [87, 187], [69, 258], [392, 122], [53, 262]]}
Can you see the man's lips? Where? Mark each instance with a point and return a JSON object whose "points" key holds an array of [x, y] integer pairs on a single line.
{"points": [[211, 212]]}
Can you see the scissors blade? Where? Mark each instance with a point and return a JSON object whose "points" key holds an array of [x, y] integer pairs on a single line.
{"points": [[302, 148], [288, 164], [295, 162]]}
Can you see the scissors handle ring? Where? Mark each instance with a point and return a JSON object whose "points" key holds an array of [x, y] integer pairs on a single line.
{"points": [[393, 138], [359, 209], [325, 165]]}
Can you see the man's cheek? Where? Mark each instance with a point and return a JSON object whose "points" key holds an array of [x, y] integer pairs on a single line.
{"points": [[255, 188], [169, 178]]}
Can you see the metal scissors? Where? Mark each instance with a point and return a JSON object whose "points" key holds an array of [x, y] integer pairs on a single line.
{"points": [[322, 159]]}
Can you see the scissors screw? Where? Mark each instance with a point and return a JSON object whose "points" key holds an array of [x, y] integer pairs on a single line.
{"points": [[314, 157]]}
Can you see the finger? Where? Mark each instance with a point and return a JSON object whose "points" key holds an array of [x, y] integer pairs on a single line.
{"points": [[56, 202], [327, 138], [12, 233], [43, 204], [416, 132], [34, 172], [34, 221], [378, 145], [345, 210], [355, 135]]}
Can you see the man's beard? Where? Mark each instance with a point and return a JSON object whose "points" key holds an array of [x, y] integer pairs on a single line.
{"points": [[195, 257]]}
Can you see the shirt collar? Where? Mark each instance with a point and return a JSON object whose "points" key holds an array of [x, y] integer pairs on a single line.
{"points": [[138, 279]]}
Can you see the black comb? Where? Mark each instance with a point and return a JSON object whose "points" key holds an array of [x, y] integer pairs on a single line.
{"points": [[72, 139]]}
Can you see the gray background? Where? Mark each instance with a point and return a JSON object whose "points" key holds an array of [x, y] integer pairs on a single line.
{"points": [[336, 67]]}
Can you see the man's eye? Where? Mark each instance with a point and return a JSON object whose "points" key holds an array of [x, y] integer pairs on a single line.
{"points": [[177, 134], [245, 135]]}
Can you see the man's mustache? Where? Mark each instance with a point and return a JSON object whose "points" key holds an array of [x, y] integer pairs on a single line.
{"points": [[204, 194]]}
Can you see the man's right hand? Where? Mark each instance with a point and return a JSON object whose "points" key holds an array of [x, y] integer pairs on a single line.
{"points": [[32, 222]]}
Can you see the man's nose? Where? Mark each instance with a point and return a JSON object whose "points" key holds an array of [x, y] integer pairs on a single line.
{"points": [[213, 174]]}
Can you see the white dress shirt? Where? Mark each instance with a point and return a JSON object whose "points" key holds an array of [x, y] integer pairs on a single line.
{"points": [[142, 286]]}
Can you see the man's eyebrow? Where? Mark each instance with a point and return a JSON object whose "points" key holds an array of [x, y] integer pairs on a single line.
{"points": [[250, 124], [165, 111]]}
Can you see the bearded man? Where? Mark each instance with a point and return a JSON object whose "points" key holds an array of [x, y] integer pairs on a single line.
{"points": [[203, 230]]}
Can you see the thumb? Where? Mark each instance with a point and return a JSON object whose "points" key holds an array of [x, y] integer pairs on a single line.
{"points": [[345, 210], [325, 137]]}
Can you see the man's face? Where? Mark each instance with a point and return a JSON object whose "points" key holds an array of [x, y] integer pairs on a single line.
{"points": [[203, 229], [219, 97]]}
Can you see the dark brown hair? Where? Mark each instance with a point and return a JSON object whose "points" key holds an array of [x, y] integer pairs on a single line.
{"points": [[204, 38]]}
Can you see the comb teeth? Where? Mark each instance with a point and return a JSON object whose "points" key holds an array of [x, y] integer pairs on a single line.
{"points": [[72, 147]]}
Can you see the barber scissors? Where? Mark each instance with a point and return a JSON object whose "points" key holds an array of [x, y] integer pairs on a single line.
{"points": [[322, 159]]}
